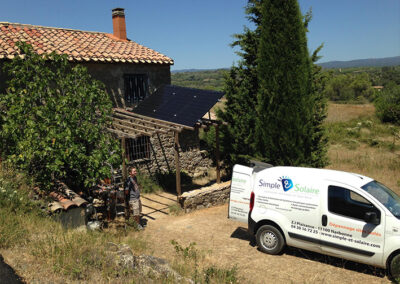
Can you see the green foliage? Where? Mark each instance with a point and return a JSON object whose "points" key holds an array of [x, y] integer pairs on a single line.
{"points": [[14, 191], [147, 184], [388, 104], [175, 209], [15, 205], [189, 252], [54, 119], [190, 256], [208, 80], [221, 275], [367, 130], [290, 109], [350, 87], [274, 102]]}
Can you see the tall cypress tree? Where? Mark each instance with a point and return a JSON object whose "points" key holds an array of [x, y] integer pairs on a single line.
{"points": [[276, 77], [289, 107]]}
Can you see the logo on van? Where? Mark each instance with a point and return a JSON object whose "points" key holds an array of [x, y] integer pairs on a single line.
{"points": [[286, 183]]}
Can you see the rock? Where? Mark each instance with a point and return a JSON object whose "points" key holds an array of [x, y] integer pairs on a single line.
{"points": [[159, 267], [94, 225], [144, 264], [125, 257]]}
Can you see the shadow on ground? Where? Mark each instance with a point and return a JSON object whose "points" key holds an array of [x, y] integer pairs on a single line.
{"points": [[242, 234], [7, 274]]}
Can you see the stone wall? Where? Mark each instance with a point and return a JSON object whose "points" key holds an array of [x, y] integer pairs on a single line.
{"points": [[112, 75], [205, 197], [193, 159]]}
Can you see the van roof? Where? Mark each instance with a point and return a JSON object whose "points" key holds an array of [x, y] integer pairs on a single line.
{"points": [[352, 179]]}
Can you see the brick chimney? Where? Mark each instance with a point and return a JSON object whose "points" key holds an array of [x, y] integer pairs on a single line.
{"points": [[119, 27]]}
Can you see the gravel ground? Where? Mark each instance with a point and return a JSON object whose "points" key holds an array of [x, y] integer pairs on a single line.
{"points": [[229, 244]]}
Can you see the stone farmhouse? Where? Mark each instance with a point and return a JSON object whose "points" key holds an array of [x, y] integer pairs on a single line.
{"points": [[131, 72]]}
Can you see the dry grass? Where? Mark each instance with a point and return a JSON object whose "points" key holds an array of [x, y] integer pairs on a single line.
{"points": [[346, 112], [376, 163], [359, 143]]}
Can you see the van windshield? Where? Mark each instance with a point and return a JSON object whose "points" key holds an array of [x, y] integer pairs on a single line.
{"points": [[385, 196]]}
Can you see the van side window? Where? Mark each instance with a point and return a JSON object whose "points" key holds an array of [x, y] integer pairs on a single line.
{"points": [[349, 204]]}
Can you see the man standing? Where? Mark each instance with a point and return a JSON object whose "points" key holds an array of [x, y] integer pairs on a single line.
{"points": [[132, 192]]}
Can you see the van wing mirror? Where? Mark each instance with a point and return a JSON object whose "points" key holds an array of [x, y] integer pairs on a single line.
{"points": [[372, 218]]}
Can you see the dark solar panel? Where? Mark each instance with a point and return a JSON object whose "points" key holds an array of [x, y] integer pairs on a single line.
{"points": [[178, 104]]}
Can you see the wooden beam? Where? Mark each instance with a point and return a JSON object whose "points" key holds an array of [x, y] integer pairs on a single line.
{"points": [[123, 134], [133, 125], [162, 126], [153, 119], [217, 153], [177, 166], [121, 127], [124, 171]]}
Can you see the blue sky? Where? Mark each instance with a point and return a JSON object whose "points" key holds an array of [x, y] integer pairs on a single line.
{"points": [[197, 34]]}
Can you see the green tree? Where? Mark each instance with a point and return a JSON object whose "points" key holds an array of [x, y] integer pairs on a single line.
{"points": [[54, 119], [388, 104], [288, 126]]}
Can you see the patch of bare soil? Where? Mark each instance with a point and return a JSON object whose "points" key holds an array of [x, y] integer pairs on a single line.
{"points": [[229, 244]]}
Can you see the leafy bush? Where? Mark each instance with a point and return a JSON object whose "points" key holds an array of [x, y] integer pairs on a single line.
{"points": [[53, 120], [147, 184], [388, 104]]}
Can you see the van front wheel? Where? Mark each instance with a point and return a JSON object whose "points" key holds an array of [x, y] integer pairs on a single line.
{"points": [[394, 267], [269, 239]]}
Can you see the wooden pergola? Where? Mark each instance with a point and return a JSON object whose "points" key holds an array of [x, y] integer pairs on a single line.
{"points": [[127, 124]]}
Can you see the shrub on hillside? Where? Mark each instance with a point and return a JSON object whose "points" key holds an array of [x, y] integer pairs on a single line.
{"points": [[388, 104]]}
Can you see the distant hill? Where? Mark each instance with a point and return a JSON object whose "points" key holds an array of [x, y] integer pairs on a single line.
{"points": [[196, 70], [372, 62]]}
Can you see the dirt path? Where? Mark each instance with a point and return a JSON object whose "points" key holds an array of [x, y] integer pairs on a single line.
{"points": [[229, 244]]}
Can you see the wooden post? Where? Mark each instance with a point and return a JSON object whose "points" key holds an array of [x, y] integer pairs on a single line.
{"points": [[217, 153], [177, 165], [124, 171]]}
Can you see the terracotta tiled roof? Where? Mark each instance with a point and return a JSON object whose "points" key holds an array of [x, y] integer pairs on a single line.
{"points": [[78, 45]]}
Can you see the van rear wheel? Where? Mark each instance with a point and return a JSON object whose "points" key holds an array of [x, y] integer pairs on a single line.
{"points": [[269, 239], [394, 267]]}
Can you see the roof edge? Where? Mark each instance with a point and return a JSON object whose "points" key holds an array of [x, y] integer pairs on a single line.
{"points": [[47, 27]]}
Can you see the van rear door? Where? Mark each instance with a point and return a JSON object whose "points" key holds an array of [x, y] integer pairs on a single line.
{"points": [[241, 187]]}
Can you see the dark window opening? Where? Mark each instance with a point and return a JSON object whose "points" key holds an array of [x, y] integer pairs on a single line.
{"points": [[349, 204], [136, 88], [138, 148]]}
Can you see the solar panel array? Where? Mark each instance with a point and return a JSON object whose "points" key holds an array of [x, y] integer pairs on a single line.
{"points": [[181, 105]]}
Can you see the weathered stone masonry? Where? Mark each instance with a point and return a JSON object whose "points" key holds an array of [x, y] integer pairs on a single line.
{"points": [[193, 159], [112, 75]]}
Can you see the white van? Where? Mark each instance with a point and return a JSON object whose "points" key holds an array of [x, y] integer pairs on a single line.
{"points": [[331, 212]]}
